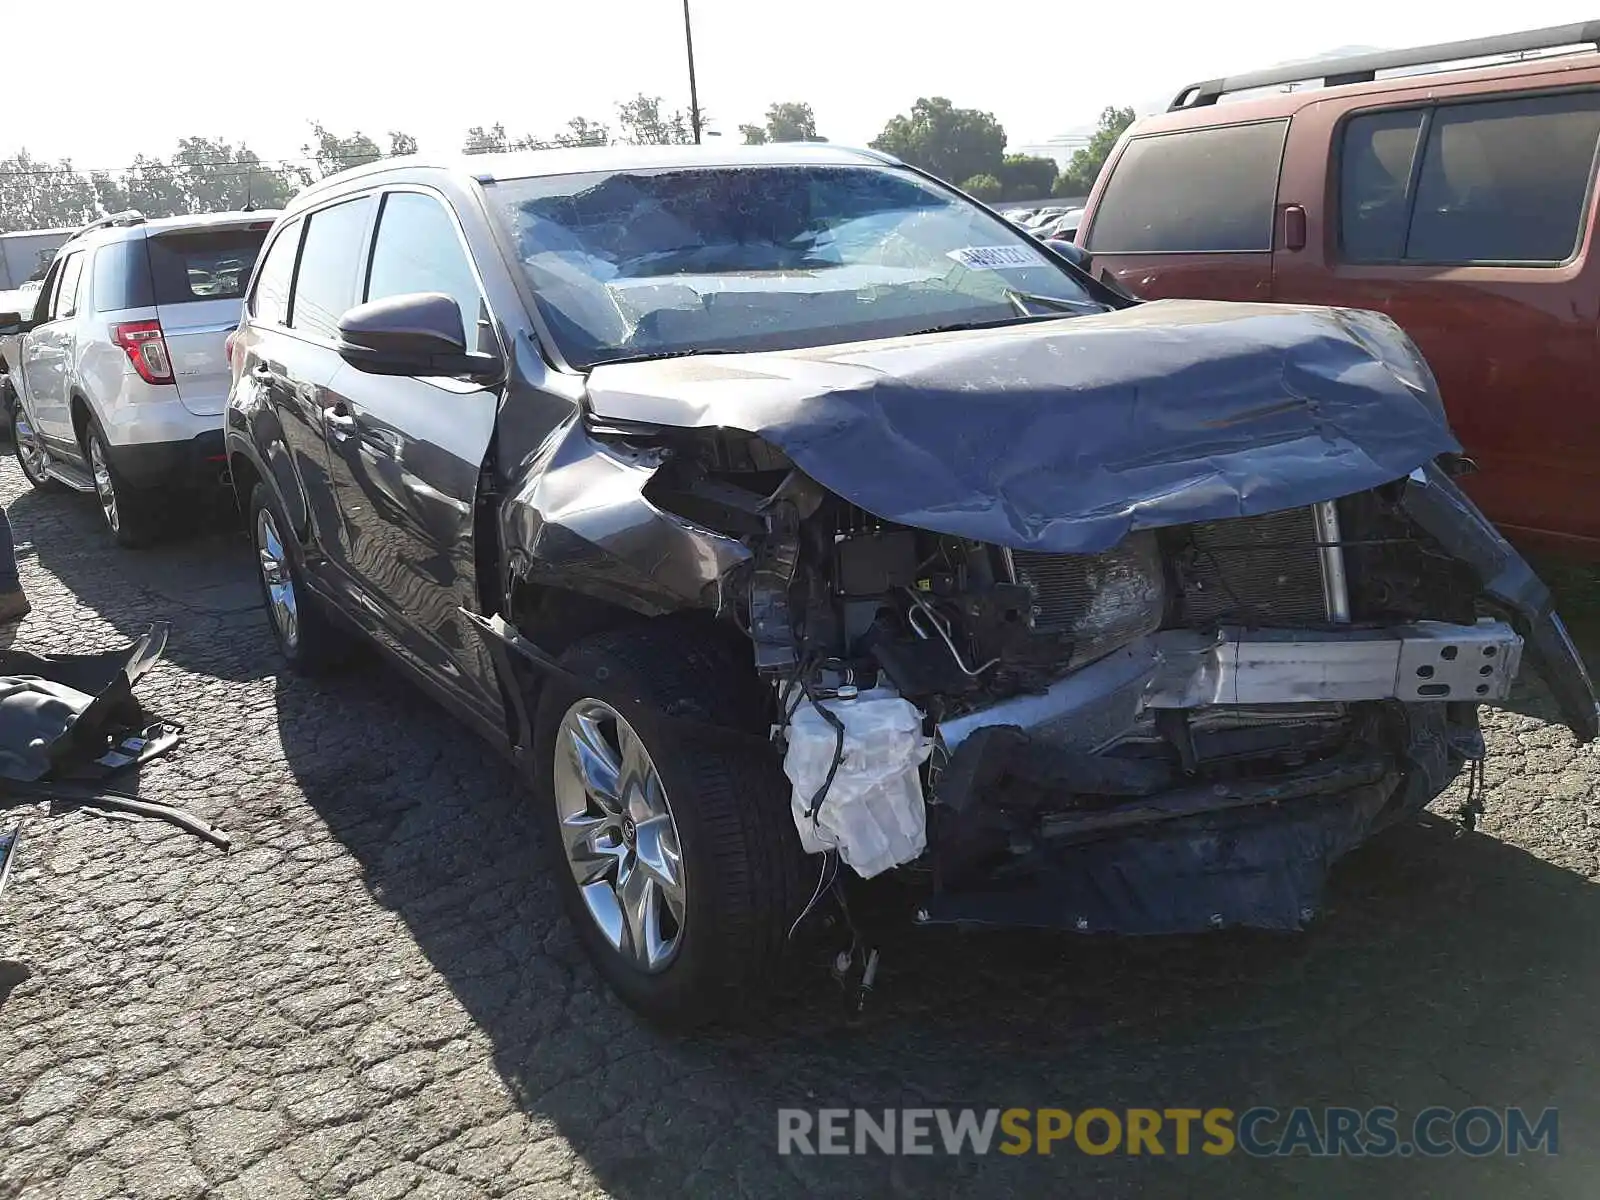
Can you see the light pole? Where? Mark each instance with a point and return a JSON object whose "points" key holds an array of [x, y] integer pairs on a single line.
{"points": [[694, 95]]}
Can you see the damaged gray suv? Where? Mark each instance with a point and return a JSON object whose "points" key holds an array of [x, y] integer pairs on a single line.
{"points": [[792, 520]]}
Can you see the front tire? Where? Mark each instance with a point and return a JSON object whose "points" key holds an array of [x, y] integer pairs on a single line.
{"points": [[306, 637], [675, 854], [132, 514], [32, 457]]}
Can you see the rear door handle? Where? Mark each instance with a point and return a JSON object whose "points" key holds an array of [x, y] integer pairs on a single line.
{"points": [[1294, 227]]}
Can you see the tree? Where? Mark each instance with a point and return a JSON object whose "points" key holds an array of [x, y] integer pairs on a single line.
{"points": [[580, 131], [215, 176], [1023, 177], [1084, 166], [982, 187], [401, 143], [332, 153], [583, 132], [952, 143], [35, 194], [486, 141], [644, 124], [790, 121]]}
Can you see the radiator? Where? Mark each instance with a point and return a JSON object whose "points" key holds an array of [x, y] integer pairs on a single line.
{"points": [[1263, 572]]}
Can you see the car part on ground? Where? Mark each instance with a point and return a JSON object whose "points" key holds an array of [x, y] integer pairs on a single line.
{"points": [[69, 723]]}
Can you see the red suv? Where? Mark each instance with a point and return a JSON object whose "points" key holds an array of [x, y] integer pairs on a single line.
{"points": [[1458, 200]]}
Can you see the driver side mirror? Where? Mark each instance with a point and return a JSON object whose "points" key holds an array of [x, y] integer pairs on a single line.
{"points": [[417, 334], [11, 323]]}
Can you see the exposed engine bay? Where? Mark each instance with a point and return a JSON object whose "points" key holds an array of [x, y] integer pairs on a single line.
{"points": [[1221, 667], [1049, 665]]}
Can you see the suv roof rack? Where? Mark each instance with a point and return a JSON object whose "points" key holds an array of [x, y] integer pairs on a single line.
{"points": [[128, 216], [1363, 68]]}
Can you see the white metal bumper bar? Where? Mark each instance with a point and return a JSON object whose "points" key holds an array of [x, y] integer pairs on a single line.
{"points": [[1425, 661]]}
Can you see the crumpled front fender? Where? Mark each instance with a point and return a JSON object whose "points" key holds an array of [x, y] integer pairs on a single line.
{"points": [[576, 518], [1443, 510]]}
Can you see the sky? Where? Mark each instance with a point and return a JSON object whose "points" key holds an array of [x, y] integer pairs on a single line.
{"points": [[132, 78]]}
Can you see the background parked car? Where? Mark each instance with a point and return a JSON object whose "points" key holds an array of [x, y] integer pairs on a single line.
{"points": [[1063, 227], [1461, 202], [121, 369]]}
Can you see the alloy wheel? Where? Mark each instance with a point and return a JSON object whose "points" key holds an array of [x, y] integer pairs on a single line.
{"points": [[104, 487], [618, 835], [278, 583], [30, 449]]}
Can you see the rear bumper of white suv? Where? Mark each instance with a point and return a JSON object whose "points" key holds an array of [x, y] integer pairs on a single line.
{"points": [[197, 462]]}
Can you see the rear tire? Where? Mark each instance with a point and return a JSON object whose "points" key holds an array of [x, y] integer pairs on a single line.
{"points": [[132, 514], [31, 454], [742, 876], [307, 637]]}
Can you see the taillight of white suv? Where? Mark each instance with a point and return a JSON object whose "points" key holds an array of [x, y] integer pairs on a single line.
{"points": [[146, 349]]}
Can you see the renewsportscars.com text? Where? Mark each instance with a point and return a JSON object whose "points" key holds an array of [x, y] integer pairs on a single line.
{"points": [[1259, 1131]]}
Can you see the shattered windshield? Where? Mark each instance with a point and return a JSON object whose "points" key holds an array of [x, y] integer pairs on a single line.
{"points": [[647, 262]]}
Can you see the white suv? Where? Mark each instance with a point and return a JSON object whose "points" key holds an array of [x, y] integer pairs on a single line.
{"points": [[121, 370]]}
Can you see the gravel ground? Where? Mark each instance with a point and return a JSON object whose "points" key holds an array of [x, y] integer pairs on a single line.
{"points": [[374, 996]]}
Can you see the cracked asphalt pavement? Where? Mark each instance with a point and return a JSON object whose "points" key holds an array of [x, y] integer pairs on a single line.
{"points": [[375, 995]]}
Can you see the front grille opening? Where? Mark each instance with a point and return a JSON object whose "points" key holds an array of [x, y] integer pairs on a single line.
{"points": [[1102, 600], [1262, 572]]}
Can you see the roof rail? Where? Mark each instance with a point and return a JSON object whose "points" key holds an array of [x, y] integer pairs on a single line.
{"points": [[129, 216], [1363, 68]]}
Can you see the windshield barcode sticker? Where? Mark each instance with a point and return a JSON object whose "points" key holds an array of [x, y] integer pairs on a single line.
{"points": [[995, 258]]}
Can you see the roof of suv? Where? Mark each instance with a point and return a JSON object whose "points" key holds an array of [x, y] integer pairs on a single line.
{"points": [[1198, 104], [525, 164], [146, 226]]}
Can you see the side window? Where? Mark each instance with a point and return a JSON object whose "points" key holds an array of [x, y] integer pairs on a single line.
{"points": [[66, 303], [1201, 190], [269, 301], [1375, 163], [418, 250], [1505, 181], [325, 285], [1500, 181], [45, 299], [121, 275]]}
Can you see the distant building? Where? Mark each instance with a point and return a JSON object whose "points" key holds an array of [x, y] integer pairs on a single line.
{"points": [[26, 254]]}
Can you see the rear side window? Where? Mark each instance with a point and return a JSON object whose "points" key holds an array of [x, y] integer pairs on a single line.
{"points": [[210, 264], [122, 277], [270, 302], [1374, 182], [1202, 190], [1502, 181], [325, 285]]}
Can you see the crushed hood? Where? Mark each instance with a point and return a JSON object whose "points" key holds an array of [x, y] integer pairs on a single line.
{"points": [[1065, 435]]}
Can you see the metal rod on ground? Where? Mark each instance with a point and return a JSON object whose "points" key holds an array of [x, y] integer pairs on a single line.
{"points": [[694, 95]]}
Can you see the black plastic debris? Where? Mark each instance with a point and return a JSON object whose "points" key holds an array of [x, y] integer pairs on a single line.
{"points": [[70, 722]]}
